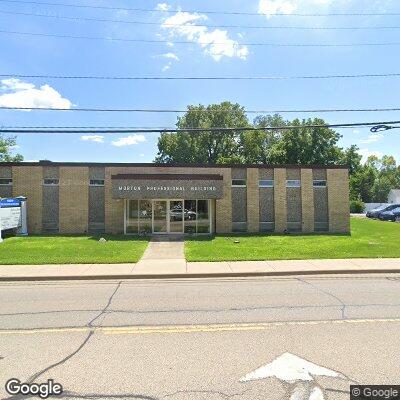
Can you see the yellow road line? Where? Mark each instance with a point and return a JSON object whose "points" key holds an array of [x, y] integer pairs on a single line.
{"points": [[144, 330]]}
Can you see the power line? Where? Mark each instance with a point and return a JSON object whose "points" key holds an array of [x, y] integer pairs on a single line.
{"points": [[199, 78], [153, 110], [194, 130], [74, 18], [199, 42], [197, 11]]}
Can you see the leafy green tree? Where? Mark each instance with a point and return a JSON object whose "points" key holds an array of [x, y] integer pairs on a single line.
{"points": [[202, 146], [261, 146], [6, 145], [304, 144], [352, 159], [362, 184]]}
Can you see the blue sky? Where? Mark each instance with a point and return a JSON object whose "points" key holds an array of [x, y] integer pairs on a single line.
{"points": [[21, 54]]}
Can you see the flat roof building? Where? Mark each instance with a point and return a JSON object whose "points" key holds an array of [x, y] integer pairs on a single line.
{"points": [[134, 199]]}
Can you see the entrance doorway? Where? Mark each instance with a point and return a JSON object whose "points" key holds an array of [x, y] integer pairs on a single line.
{"points": [[168, 217]]}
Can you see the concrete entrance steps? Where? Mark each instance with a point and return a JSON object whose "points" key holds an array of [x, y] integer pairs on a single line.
{"points": [[163, 253]]}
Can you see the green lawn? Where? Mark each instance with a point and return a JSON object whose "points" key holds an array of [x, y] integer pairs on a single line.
{"points": [[71, 250], [369, 239]]}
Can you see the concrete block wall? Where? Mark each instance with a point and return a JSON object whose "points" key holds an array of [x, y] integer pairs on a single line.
{"points": [[307, 200], [253, 200], [280, 199]]}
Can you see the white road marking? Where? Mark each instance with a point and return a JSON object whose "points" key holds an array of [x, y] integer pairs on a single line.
{"points": [[290, 368], [293, 369]]}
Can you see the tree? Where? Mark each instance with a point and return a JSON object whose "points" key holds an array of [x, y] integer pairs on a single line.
{"points": [[307, 145], [6, 145], [201, 146], [259, 146], [362, 183], [352, 159]]}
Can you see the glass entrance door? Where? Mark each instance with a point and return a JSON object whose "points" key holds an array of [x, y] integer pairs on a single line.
{"points": [[160, 221], [176, 216]]}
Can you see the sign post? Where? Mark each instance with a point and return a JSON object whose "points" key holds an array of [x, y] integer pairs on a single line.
{"points": [[13, 215]]}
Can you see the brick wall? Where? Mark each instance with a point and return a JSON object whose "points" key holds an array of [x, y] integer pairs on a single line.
{"points": [[223, 206], [253, 202], [280, 199], [27, 181], [74, 199], [338, 200], [307, 200]]}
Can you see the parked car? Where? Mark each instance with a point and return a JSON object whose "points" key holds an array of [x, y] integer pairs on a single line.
{"points": [[390, 215], [375, 213]]}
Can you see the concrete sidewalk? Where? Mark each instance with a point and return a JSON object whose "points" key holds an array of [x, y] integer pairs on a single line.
{"points": [[181, 269]]}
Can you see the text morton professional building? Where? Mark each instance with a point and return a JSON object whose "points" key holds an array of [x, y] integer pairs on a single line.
{"points": [[173, 199]]}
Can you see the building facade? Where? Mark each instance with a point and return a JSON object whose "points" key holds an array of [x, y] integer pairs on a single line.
{"points": [[174, 199]]}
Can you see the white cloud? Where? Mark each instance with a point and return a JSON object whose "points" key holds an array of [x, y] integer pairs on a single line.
{"points": [[93, 138], [372, 138], [23, 94], [172, 56], [366, 153], [273, 7], [215, 43], [162, 7], [166, 67], [129, 140]]}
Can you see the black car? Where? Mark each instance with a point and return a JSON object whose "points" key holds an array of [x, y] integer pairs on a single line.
{"points": [[390, 215], [376, 212]]}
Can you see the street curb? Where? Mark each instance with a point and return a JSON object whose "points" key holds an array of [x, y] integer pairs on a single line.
{"points": [[197, 275]]}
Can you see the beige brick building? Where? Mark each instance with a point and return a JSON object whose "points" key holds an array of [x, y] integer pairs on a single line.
{"points": [[173, 199]]}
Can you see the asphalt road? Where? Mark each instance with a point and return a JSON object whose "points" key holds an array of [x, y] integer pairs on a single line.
{"points": [[196, 339]]}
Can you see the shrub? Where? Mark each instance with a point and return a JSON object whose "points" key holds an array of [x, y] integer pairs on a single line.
{"points": [[357, 207]]}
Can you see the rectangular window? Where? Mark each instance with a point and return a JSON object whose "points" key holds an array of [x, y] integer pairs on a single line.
{"points": [[269, 183], [238, 182], [50, 182], [319, 183], [5, 181], [96, 182], [293, 183]]}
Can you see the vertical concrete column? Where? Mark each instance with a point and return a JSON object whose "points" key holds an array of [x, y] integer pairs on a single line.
{"points": [[338, 200], [114, 208], [223, 207], [307, 200], [73, 199], [280, 200], [253, 203], [27, 181]]}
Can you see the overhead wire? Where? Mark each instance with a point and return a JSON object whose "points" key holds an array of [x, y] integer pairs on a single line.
{"points": [[169, 25], [171, 10], [157, 41], [194, 130], [199, 78], [150, 110]]}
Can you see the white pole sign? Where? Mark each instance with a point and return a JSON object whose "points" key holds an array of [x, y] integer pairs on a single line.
{"points": [[10, 218], [10, 214]]}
